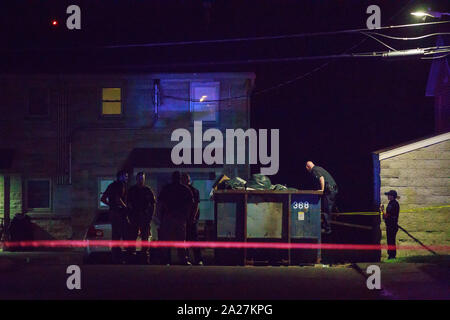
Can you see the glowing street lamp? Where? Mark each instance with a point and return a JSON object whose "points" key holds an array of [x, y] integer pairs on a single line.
{"points": [[429, 13]]}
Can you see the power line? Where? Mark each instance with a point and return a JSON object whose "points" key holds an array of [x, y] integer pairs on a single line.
{"points": [[378, 40], [280, 37], [324, 65], [366, 32], [242, 39], [411, 38], [409, 53], [373, 54], [436, 57], [371, 35]]}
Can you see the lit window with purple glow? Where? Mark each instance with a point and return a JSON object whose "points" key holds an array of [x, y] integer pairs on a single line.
{"points": [[204, 101]]}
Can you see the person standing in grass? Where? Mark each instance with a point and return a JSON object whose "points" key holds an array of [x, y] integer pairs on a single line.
{"points": [[390, 217]]}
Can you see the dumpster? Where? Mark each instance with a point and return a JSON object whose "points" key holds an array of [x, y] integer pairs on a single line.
{"points": [[267, 216]]}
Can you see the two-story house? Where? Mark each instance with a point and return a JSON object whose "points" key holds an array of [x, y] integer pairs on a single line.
{"points": [[64, 137]]}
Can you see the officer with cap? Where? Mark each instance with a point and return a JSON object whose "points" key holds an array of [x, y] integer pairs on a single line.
{"points": [[390, 217]]}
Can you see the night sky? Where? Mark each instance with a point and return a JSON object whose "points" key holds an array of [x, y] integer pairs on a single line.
{"points": [[335, 117]]}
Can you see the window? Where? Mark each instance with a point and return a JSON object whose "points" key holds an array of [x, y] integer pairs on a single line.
{"points": [[111, 102], [204, 101], [103, 183], [206, 206], [39, 194], [38, 103]]}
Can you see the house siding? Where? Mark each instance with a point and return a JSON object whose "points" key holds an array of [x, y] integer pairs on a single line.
{"points": [[421, 177]]}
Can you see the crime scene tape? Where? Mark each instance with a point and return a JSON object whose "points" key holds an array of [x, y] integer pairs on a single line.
{"points": [[374, 213], [425, 208], [211, 244]]}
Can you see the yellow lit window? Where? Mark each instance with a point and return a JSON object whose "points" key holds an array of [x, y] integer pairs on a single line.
{"points": [[111, 101]]}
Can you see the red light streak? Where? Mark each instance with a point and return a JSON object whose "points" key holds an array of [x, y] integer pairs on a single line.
{"points": [[212, 244]]}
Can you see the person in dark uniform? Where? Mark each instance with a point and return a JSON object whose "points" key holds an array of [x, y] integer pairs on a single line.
{"points": [[191, 224], [328, 186], [175, 202], [115, 197], [141, 205], [390, 217]]}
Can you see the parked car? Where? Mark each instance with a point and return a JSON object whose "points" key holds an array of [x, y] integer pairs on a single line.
{"points": [[100, 229]]}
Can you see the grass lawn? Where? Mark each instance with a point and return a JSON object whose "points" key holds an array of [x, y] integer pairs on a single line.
{"points": [[431, 227]]}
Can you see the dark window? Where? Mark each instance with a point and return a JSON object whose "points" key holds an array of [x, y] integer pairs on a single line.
{"points": [[38, 193], [38, 102]]}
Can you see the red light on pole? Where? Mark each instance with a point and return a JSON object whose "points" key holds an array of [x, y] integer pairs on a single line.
{"points": [[54, 23]]}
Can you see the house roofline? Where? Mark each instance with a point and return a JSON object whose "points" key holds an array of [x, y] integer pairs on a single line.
{"points": [[136, 75], [411, 146]]}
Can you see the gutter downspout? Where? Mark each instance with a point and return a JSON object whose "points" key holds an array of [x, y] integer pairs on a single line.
{"points": [[376, 180]]}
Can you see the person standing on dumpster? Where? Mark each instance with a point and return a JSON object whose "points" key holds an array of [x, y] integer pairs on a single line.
{"points": [[191, 225], [115, 197], [390, 217], [328, 186], [141, 205], [175, 203]]}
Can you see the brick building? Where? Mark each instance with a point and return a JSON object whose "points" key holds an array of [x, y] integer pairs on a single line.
{"points": [[63, 138]]}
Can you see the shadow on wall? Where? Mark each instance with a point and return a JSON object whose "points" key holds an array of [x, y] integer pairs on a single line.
{"points": [[29, 229], [39, 233], [23, 229]]}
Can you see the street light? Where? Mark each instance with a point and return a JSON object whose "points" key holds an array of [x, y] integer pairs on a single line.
{"points": [[429, 13]]}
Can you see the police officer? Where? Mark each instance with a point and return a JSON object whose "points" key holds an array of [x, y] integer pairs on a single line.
{"points": [[191, 224], [328, 186], [141, 205], [175, 203], [390, 217], [115, 197]]}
